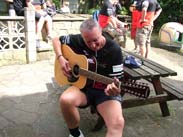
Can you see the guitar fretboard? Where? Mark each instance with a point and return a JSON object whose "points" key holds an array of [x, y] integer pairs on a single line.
{"points": [[96, 77], [132, 88]]}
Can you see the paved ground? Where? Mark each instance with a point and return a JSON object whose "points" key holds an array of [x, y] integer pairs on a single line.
{"points": [[29, 104]]}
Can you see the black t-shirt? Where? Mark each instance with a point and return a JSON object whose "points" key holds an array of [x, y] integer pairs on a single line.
{"points": [[19, 5], [38, 2], [108, 9], [109, 58]]}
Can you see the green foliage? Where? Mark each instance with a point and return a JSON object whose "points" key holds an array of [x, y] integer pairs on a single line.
{"points": [[123, 11], [57, 3], [90, 11], [172, 11]]}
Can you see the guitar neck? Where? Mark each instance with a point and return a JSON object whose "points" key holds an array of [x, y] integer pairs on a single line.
{"points": [[131, 88], [96, 77]]}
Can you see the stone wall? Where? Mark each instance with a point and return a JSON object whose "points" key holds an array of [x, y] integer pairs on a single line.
{"points": [[66, 27], [62, 25], [67, 23], [12, 41]]}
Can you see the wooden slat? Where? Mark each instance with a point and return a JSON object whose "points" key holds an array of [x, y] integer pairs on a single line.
{"points": [[152, 72], [171, 72], [151, 100], [131, 73], [161, 71], [143, 73], [171, 89], [164, 71], [172, 92]]}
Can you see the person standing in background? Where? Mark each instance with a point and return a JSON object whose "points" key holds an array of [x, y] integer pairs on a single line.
{"points": [[19, 6], [135, 20], [149, 12], [110, 23]]}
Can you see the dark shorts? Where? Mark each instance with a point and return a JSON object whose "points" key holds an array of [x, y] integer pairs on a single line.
{"points": [[20, 12], [38, 16], [97, 96]]}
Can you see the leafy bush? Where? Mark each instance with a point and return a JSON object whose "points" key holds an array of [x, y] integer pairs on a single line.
{"points": [[90, 11], [172, 12], [124, 11]]}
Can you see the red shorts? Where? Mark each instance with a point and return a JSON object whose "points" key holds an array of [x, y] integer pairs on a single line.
{"points": [[133, 32]]}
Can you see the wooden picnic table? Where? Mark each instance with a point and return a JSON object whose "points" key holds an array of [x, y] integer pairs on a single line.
{"points": [[155, 74]]}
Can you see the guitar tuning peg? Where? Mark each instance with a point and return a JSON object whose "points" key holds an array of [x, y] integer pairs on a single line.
{"points": [[130, 91]]}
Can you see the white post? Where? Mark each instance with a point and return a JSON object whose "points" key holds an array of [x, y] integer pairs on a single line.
{"points": [[30, 39]]}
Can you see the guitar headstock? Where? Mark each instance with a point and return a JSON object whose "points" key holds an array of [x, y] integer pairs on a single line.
{"points": [[138, 89]]}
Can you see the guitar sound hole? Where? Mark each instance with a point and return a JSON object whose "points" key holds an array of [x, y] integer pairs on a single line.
{"points": [[75, 70], [74, 75]]}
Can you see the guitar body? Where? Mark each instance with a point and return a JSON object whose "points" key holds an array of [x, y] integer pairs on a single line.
{"points": [[74, 59]]}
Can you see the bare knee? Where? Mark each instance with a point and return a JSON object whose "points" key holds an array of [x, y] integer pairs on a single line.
{"points": [[119, 123], [116, 124], [48, 19], [66, 100]]}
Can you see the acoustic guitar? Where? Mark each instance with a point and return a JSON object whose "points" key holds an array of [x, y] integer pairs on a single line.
{"points": [[83, 69]]}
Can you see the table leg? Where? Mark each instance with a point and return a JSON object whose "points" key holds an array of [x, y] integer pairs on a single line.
{"points": [[100, 123], [158, 89]]}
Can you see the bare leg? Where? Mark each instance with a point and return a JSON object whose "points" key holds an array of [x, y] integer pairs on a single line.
{"points": [[142, 50], [111, 111], [48, 20], [147, 51], [136, 49], [148, 43], [69, 101], [39, 26]]}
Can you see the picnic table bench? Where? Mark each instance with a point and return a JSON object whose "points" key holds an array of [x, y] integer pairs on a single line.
{"points": [[156, 75]]}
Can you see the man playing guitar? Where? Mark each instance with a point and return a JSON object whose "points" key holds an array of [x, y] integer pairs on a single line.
{"points": [[106, 98]]}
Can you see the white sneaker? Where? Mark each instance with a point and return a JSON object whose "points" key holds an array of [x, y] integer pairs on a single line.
{"points": [[81, 134]]}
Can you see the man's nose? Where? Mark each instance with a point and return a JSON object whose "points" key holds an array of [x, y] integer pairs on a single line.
{"points": [[93, 44]]}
